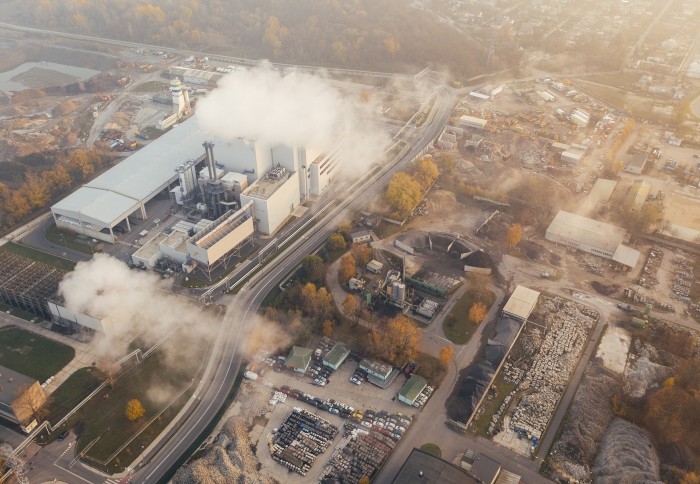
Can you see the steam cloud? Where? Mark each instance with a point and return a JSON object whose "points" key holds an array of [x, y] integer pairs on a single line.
{"points": [[297, 109], [137, 304]]}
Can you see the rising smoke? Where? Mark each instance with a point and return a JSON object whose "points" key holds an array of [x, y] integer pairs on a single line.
{"points": [[138, 304], [294, 109]]}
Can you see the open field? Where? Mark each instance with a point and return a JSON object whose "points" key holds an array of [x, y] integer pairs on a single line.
{"points": [[457, 325], [73, 391], [31, 354]]}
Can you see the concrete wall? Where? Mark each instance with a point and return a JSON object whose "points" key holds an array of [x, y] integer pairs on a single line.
{"points": [[61, 312], [578, 245], [271, 212]]}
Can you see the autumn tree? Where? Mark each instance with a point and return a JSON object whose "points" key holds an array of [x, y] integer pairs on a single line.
{"points": [[426, 172], [401, 340], [313, 268], [446, 354], [344, 228], [134, 410], [446, 161], [477, 312], [479, 286], [515, 233], [30, 403], [351, 307], [347, 268], [337, 242], [327, 328], [362, 253], [315, 302], [403, 193]]}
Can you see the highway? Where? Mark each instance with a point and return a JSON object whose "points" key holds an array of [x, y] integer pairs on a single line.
{"points": [[227, 355]]}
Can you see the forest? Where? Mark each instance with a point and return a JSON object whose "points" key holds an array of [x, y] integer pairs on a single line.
{"points": [[386, 35]]}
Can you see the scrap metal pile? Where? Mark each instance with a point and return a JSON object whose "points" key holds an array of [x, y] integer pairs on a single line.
{"points": [[683, 279], [301, 438], [548, 374]]}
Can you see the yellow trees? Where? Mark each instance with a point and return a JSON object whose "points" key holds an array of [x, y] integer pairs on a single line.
{"points": [[347, 268], [477, 312], [403, 193], [336, 242], [362, 253], [351, 307], [327, 328], [515, 233], [446, 354], [401, 340], [426, 172], [315, 303], [134, 410]]}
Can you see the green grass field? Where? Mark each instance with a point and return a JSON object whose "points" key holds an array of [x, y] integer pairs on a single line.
{"points": [[31, 354], [67, 239], [39, 256], [162, 389], [432, 449], [73, 391], [457, 326]]}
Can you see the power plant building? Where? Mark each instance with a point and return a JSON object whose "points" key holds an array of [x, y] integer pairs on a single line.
{"points": [[169, 165]]}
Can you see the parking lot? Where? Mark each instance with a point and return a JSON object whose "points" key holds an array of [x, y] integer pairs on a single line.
{"points": [[363, 398]]}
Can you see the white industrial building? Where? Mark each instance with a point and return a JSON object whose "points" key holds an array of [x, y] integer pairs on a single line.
{"points": [[168, 165], [521, 303], [275, 196], [472, 122], [591, 236]]}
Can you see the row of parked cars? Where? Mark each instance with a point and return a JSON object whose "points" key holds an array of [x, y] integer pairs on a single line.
{"points": [[358, 377], [331, 405]]}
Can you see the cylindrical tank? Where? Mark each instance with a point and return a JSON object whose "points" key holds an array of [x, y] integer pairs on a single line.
{"points": [[398, 291]]}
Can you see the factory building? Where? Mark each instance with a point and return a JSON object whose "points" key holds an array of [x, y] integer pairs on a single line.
{"points": [[591, 236], [639, 191], [472, 122], [178, 164], [19, 397], [274, 197]]}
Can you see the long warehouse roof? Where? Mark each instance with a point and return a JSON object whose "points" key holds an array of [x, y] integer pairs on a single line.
{"points": [[587, 231], [122, 188]]}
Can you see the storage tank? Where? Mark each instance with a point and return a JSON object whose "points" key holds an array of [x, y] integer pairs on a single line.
{"points": [[398, 291]]}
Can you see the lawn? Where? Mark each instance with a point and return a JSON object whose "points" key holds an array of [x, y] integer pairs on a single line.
{"points": [[162, 388], [31, 354], [67, 239], [73, 391], [457, 326], [39, 256], [491, 406], [27, 316], [431, 449]]}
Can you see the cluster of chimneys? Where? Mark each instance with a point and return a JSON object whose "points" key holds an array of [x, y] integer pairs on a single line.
{"points": [[209, 155]]}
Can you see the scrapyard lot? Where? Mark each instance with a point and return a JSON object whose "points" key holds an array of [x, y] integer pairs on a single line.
{"points": [[362, 398]]}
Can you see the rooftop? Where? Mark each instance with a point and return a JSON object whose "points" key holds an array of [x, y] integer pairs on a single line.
{"points": [[639, 191], [521, 302], [299, 358], [601, 192], [337, 354], [626, 256], [423, 468], [11, 384], [376, 366], [268, 184], [591, 232], [638, 160], [413, 387]]}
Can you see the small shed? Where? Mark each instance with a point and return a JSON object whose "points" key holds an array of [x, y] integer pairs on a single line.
{"points": [[375, 266], [413, 387], [299, 359], [336, 356], [376, 368], [360, 236], [521, 303]]}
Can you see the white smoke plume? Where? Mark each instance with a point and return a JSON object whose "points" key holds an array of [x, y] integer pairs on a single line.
{"points": [[296, 109], [138, 304]]}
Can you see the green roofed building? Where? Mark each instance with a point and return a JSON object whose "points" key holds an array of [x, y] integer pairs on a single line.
{"points": [[299, 359], [413, 387], [336, 356]]}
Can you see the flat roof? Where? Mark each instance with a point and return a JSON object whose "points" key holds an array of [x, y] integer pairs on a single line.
{"points": [[600, 192], [582, 229], [521, 302], [375, 366], [152, 247], [639, 191], [485, 469], [11, 383], [266, 186], [413, 387], [472, 120], [626, 256], [299, 357], [423, 468], [638, 160], [337, 354]]}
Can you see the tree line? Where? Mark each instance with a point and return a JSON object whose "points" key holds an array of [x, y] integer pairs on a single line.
{"points": [[32, 189], [363, 34]]}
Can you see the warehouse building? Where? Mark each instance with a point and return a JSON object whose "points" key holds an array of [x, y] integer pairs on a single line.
{"points": [[472, 122], [521, 303], [639, 191], [168, 165], [600, 194], [20, 397], [423, 468], [591, 236], [336, 356], [637, 163], [411, 389]]}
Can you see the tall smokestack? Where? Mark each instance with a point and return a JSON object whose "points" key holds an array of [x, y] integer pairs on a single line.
{"points": [[209, 161], [213, 160]]}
